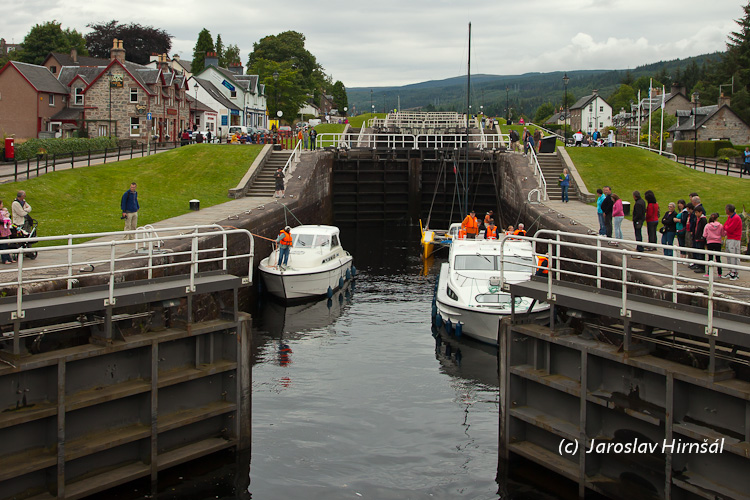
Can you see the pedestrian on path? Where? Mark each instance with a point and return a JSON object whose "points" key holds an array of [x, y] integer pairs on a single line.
{"points": [[681, 220], [313, 136], [639, 217], [306, 138], [618, 214], [278, 177], [700, 239], [5, 233], [607, 205], [669, 228], [611, 139], [652, 217], [564, 181], [746, 166], [599, 213], [733, 232], [713, 232], [129, 206], [20, 209]]}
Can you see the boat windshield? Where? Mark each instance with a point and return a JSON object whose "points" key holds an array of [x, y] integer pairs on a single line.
{"points": [[310, 240], [478, 262]]}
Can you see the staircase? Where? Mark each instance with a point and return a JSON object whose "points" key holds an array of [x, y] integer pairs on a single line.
{"points": [[264, 183], [552, 167]]}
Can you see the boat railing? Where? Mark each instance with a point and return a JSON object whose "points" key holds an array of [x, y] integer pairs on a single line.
{"points": [[294, 157], [541, 181], [109, 256], [631, 277]]}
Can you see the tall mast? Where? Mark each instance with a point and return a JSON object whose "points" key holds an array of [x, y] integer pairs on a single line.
{"points": [[468, 117]]}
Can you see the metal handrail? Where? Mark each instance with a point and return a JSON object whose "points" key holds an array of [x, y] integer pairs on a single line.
{"points": [[436, 141], [542, 184], [662, 153], [294, 157], [113, 265], [708, 288]]}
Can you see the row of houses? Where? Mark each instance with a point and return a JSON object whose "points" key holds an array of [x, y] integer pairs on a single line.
{"points": [[70, 94]]}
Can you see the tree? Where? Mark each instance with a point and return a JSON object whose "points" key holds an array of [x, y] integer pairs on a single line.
{"points": [[338, 91], [284, 94], [543, 112], [204, 44], [49, 37], [232, 55], [220, 51], [139, 41], [622, 98], [288, 46]]}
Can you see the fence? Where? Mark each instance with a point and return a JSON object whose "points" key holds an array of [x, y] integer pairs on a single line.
{"points": [[733, 168]]}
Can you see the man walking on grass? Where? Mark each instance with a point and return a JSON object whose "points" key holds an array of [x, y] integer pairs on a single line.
{"points": [[129, 206]]}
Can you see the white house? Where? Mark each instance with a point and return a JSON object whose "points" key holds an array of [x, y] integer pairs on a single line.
{"points": [[590, 113]]}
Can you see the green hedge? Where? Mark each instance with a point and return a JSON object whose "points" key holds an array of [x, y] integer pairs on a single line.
{"points": [[728, 153], [704, 149], [59, 147]]}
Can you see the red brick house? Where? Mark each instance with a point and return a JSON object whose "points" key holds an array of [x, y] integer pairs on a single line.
{"points": [[29, 97]]}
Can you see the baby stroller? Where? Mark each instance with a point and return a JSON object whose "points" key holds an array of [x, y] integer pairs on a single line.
{"points": [[19, 236]]}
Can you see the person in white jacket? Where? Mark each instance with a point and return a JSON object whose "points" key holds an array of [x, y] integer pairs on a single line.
{"points": [[20, 209]]}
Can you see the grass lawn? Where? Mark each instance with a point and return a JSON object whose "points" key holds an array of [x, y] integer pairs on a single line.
{"points": [[87, 200], [360, 121], [630, 169]]}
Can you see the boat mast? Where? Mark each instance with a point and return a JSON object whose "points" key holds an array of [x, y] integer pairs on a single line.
{"points": [[468, 117]]}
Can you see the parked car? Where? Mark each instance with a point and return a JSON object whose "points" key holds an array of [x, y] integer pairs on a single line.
{"points": [[314, 122], [237, 129], [301, 125], [285, 128]]}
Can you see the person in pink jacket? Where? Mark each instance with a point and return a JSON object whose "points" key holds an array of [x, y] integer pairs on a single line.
{"points": [[713, 232], [733, 231]]}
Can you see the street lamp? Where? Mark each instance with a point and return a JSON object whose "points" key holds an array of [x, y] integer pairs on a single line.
{"points": [[565, 105], [372, 106], [276, 88], [696, 96], [507, 109]]}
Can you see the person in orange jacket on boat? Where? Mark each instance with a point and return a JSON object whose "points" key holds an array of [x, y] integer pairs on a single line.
{"points": [[491, 232], [471, 225], [285, 245]]}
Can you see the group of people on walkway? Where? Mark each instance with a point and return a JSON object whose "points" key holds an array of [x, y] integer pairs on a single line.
{"points": [[687, 222], [595, 139]]}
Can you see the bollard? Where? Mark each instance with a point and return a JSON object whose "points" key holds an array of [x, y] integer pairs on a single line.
{"points": [[195, 205]]}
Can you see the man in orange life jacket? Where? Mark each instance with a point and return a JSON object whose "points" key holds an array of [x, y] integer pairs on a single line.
{"points": [[491, 232], [470, 225], [542, 266], [520, 231], [487, 218], [285, 244]]}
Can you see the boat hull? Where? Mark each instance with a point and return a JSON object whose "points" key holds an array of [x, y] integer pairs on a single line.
{"points": [[308, 283]]}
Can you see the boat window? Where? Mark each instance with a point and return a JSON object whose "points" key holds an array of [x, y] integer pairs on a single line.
{"points": [[518, 263], [322, 240], [474, 263], [500, 299], [303, 240], [451, 293], [335, 240]]}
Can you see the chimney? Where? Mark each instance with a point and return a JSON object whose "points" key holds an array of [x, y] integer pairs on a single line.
{"points": [[678, 89], [74, 55], [595, 91], [154, 57], [724, 100], [176, 57], [164, 62], [211, 60], [117, 51], [236, 68]]}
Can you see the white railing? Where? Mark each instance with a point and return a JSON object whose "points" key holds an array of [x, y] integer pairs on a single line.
{"points": [[294, 157], [629, 278], [541, 181], [101, 257], [390, 141], [662, 153]]}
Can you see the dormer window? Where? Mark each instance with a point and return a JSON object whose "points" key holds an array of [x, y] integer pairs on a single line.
{"points": [[79, 96], [53, 69]]}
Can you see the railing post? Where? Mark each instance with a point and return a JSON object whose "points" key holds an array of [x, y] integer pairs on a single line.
{"points": [[598, 262], [193, 261], [557, 260], [111, 300], [28, 168], [710, 330], [89, 158], [72, 159], [70, 261], [19, 314], [118, 152], [15, 170], [624, 311]]}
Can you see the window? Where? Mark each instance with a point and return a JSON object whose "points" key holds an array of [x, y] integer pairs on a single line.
{"points": [[52, 99], [53, 69], [601, 109], [134, 94], [135, 126], [79, 96], [103, 131], [233, 93]]}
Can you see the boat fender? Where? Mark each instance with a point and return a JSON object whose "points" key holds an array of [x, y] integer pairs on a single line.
{"points": [[448, 350], [341, 282], [329, 293], [341, 298], [354, 271], [459, 329], [434, 310], [348, 275], [458, 356], [329, 303], [448, 326], [438, 320]]}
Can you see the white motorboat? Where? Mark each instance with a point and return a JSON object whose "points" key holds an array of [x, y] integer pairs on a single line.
{"points": [[317, 265], [469, 296]]}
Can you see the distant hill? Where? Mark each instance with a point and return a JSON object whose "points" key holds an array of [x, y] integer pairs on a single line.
{"points": [[525, 92]]}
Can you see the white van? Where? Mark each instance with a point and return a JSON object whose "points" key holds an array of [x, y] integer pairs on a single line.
{"points": [[314, 122], [237, 129]]}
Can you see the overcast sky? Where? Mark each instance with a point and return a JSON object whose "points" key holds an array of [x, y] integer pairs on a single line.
{"points": [[398, 42]]}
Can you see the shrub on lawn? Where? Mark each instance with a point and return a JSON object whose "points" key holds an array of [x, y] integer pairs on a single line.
{"points": [[32, 147], [704, 149], [726, 153]]}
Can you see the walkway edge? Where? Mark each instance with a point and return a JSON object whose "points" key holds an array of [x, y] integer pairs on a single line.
{"points": [[583, 193], [241, 189]]}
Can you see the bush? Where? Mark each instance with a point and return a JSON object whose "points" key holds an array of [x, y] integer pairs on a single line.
{"points": [[726, 153], [61, 147], [704, 149]]}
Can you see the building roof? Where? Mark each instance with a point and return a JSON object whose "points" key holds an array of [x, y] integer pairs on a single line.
{"points": [[585, 100], [39, 77], [68, 114], [215, 93], [702, 115], [198, 105], [67, 60], [68, 73]]}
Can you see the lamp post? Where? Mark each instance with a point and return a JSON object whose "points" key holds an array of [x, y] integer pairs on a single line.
{"points": [[696, 96], [372, 106], [276, 89], [565, 105]]}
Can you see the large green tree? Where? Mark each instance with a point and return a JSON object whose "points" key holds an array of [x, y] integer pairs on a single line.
{"points": [[205, 43], [139, 41], [621, 98], [232, 55], [543, 112], [338, 91], [285, 92], [219, 45], [49, 37], [288, 47]]}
